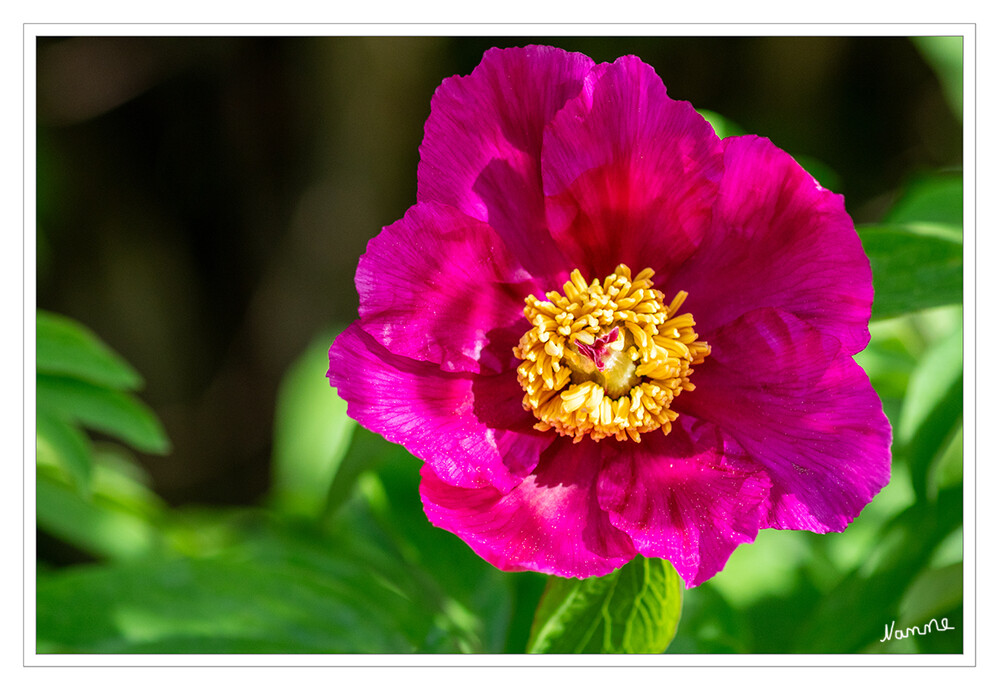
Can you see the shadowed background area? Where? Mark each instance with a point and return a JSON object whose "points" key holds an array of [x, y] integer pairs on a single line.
{"points": [[203, 201]]}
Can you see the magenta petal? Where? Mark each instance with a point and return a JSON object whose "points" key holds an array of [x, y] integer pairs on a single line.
{"points": [[778, 240], [537, 163], [682, 499], [441, 287], [803, 409], [481, 149], [470, 428], [550, 523], [629, 174]]}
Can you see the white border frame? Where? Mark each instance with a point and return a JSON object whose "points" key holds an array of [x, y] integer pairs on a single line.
{"points": [[968, 31]]}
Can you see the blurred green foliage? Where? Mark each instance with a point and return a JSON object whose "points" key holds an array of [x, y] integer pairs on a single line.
{"points": [[339, 557], [945, 54], [87, 492], [311, 434]]}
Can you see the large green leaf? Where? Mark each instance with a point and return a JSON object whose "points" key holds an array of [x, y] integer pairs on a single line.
{"points": [[215, 605], [913, 269], [102, 409], [634, 610], [311, 433], [70, 349]]}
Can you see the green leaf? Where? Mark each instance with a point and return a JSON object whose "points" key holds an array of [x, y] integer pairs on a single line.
{"points": [[527, 590], [852, 615], [97, 524], [948, 467], [65, 445], [931, 203], [933, 407], [913, 269], [722, 125], [634, 610], [261, 582], [233, 606], [368, 451], [711, 625], [113, 412], [68, 348], [888, 359], [945, 54], [311, 433], [932, 594], [475, 597]]}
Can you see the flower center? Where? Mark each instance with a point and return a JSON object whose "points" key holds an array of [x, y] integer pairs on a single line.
{"points": [[607, 359]]}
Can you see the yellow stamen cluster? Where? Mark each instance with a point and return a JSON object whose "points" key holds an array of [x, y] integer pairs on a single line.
{"points": [[583, 379]]}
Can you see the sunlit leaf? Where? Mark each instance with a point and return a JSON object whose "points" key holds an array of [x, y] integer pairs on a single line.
{"points": [[722, 125], [932, 594], [67, 446], [102, 409], [96, 524], [367, 451], [634, 610], [214, 605], [932, 203], [913, 270], [311, 433], [364, 550], [766, 567], [475, 596], [945, 54], [948, 468], [68, 348], [262, 583], [933, 407]]}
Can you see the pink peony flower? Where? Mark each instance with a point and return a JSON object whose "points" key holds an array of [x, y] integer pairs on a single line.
{"points": [[606, 332]]}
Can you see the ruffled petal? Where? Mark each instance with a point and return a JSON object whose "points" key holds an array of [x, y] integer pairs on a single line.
{"points": [[778, 240], [470, 428], [629, 174], [803, 409], [482, 144], [683, 497], [550, 523], [438, 286]]}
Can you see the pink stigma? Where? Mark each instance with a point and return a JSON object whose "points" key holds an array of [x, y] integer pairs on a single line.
{"points": [[598, 352]]}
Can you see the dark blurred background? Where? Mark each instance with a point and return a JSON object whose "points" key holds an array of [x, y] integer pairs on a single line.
{"points": [[202, 202]]}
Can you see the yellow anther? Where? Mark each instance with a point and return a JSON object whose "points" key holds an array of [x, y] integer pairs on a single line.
{"points": [[581, 377]]}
